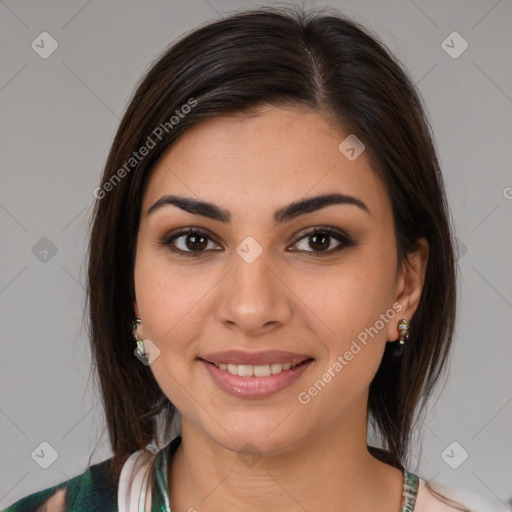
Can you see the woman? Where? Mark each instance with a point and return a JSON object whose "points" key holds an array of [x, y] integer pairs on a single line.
{"points": [[271, 256]]}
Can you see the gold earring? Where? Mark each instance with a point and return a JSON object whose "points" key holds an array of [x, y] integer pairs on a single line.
{"points": [[403, 329], [140, 344]]}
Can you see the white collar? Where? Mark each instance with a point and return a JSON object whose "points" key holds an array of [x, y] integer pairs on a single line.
{"points": [[134, 489]]}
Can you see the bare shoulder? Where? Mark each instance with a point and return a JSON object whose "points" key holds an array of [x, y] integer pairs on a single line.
{"points": [[443, 498]]}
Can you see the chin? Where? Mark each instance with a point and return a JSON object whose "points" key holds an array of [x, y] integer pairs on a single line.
{"points": [[256, 435]]}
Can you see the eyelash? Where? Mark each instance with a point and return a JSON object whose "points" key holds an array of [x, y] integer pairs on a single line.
{"points": [[331, 232]]}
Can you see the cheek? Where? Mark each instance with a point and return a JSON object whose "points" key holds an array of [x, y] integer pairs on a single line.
{"points": [[170, 307], [174, 304], [351, 297], [354, 306]]}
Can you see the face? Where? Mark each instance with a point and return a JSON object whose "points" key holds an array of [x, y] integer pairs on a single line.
{"points": [[265, 278]]}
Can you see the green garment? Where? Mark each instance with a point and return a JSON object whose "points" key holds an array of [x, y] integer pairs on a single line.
{"points": [[94, 491]]}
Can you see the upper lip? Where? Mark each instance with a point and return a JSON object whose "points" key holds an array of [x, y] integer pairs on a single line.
{"points": [[255, 358]]}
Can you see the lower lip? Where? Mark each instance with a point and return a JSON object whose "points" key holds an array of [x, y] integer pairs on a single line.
{"points": [[255, 387]]}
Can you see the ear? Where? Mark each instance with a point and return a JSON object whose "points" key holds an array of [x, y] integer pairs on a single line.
{"points": [[136, 309], [408, 286]]}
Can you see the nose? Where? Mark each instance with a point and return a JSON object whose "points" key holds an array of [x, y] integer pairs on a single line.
{"points": [[253, 298]]}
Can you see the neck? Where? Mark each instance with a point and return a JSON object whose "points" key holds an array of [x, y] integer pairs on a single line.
{"points": [[332, 471]]}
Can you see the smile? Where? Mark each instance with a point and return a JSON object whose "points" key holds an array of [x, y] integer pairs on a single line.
{"points": [[255, 381], [260, 370]]}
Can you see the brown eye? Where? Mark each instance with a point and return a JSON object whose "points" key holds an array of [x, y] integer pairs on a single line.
{"points": [[189, 242], [319, 242], [323, 241], [196, 242]]}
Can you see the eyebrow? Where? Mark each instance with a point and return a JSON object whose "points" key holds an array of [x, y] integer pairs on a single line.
{"points": [[284, 214]]}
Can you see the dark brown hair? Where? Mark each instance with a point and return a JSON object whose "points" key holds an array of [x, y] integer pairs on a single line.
{"points": [[290, 58]]}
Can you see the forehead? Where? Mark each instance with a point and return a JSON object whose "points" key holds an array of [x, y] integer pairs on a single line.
{"points": [[273, 156]]}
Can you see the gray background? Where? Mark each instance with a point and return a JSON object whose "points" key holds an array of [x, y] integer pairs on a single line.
{"points": [[59, 116]]}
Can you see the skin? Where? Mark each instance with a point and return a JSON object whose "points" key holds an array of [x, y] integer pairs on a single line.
{"points": [[305, 457]]}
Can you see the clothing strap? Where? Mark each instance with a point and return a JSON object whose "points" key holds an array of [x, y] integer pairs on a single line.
{"points": [[409, 492], [161, 501]]}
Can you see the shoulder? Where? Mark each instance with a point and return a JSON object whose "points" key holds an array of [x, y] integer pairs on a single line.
{"points": [[92, 491], [458, 498]]}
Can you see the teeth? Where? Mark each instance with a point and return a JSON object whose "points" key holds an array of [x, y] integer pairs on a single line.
{"points": [[260, 370]]}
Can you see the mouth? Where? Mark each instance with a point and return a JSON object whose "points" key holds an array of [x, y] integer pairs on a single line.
{"points": [[255, 375], [260, 370], [261, 358]]}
